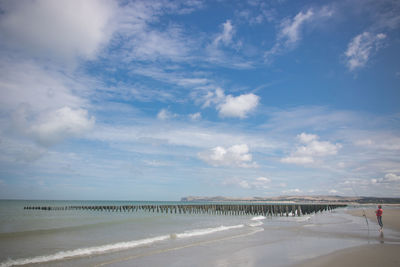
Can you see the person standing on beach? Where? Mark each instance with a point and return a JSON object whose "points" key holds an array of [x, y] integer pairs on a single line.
{"points": [[379, 213]]}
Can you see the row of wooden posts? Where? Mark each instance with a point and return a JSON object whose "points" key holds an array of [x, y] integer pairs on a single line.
{"points": [[217, 209]]}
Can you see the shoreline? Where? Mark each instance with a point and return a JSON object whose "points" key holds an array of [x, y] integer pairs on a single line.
{"points": [[370, 255], [390, 216], [126, 239]]}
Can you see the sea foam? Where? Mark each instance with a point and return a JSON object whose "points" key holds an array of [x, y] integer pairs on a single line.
{"points": [[115, 247], [206, 231], [258, 218]]}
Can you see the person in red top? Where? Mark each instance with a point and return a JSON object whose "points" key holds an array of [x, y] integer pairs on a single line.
{"points": [[379, 213]]}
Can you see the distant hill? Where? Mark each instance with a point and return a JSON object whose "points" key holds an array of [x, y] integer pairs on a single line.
{"points": [[296, 199]]}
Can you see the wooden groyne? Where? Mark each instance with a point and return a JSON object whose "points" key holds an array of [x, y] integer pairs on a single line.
{"points": [[215, 209]]}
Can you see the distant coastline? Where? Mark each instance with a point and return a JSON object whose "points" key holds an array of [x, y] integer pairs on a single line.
{"points": [[297, 199]]}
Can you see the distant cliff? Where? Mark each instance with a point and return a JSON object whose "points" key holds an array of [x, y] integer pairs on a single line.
{"points": [[295, 199]]}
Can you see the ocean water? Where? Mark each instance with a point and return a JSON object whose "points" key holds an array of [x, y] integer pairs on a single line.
{"points": [[36, 236], [101, 238]]}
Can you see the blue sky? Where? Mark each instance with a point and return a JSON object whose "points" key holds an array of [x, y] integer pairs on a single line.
{"points": [[156, 100]]}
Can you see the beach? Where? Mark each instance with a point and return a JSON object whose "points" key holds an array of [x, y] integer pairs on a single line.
{"points": [[369, 255], [95, 238], [391, 215]]}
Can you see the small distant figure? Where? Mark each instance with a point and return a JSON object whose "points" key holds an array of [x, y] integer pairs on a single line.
{"points": [[379, 213]]}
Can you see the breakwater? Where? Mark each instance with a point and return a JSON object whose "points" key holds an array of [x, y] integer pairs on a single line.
{"points": [[216, 209]]}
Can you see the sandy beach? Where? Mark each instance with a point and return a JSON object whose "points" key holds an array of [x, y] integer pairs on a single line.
{"points": [[371, 255], [390, 218], [81, 238], [329, 239]]}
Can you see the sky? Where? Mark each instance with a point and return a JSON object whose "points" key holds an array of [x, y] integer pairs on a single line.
{"points": [[157, 100]]}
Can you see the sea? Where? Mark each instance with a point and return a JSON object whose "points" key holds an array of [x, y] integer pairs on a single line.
{"points": [[141, 238]]}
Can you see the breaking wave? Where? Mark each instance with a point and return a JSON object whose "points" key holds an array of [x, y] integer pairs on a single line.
{"points": [[116, 246]]}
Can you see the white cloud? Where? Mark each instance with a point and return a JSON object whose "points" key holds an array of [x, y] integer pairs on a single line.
{"points": [[60, 124], [215, 97], [52, 126], [42, 104], [17, 150], [290, 29], [226, 36], [142, 41], [153, 44], [231, 106], [333, 191], [307, 138], [361, 48], [259, 183], [51, 29], [379, 142], [388, 178], [41, 88], [165, 114], [298, 160], [155, 163], [238, 106], [292, 191], [195, 116], [237, 156], [244, 184], [310, 149]]}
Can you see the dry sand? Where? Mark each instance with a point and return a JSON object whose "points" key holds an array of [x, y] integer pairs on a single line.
{"points": [[369, 255]]}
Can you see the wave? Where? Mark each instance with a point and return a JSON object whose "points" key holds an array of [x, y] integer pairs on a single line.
{"points": [[207, 231], [303, 219], [256, 221], [85, 251], [258, 218], [115, 247]]}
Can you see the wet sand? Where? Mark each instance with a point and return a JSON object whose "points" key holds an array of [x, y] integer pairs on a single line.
{"points": [[390, 218], [325, 239], [368, 255], [310, 241]]}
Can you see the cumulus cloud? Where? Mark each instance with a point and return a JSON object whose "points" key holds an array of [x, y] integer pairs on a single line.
{"points": [[311, 148], [165, 114], [236, 155], [52, 127], [388, 178], [361, 47], [51, 29], [232, 106], [238, 106]]}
